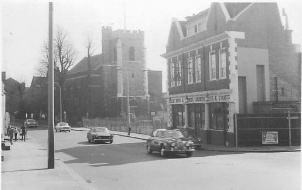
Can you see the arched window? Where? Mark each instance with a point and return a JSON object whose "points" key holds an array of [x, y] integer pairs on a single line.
{"points": [[131, 54], [114, 54]]}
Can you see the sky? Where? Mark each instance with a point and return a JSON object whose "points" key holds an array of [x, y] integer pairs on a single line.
{"points": [[24, 27]]}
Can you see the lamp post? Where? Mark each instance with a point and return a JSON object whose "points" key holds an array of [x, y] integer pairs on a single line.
{"points": [[60, 100], [128, 105]]}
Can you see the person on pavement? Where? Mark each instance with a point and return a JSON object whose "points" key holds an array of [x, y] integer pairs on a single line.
{"points": [[11, 135], [23, 132], [16, 133]]}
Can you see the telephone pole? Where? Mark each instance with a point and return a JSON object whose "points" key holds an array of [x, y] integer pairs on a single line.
{"points": [[51, 156]]}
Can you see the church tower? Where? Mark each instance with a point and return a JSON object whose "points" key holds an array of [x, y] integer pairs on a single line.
{"points": [[125, 49]]}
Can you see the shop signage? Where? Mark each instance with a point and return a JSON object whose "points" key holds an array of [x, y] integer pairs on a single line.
{"points": [[200, 99], [269, 137]]}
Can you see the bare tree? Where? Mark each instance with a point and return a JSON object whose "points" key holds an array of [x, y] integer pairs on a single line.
{"points": [[64, 57]]}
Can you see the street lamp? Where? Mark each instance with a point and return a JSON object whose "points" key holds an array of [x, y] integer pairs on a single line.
{"points": [[60, 100], [128, 105]]}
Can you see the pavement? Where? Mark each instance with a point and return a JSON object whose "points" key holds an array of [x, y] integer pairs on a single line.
{"points": [[25, 167], [210, 147], [31, 171]]}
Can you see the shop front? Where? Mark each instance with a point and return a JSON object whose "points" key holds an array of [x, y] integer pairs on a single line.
{"points": [[203, 115]]}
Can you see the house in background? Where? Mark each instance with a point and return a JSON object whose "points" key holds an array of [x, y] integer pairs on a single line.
{"points": [[35, 99], [223, 61], [14, 94]]}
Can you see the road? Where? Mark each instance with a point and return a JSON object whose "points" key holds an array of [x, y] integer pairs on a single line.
{"points": [[125, 165]]}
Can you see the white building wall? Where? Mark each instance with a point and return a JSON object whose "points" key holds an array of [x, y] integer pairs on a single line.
{"points": [[248, 59]]}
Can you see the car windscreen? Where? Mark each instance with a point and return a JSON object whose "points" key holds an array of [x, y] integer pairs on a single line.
{"points": [[170, 134], [30, 120], [102, 130], [63, 124]]}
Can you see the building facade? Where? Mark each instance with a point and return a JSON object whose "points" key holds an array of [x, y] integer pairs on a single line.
{"points": [[222, 60], [97, 85]]}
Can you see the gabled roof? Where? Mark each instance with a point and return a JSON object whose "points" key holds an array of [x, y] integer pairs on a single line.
{"points": [[82, 66], [202, 13], [235, 9]]}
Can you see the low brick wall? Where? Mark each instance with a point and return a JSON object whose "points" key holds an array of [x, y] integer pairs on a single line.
{"points": [[118, 124]]}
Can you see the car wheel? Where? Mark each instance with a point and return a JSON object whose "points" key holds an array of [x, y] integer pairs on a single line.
{"points": [[110, 142], [162, 151], [149, 151], [189, 154]]}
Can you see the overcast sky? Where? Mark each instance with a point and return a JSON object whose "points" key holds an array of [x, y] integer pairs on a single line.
{"points": [[24, 27]]}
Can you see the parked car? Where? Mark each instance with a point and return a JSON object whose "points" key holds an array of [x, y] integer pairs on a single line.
{"points": [[99, 134], [30, 123], [169, 141], [62, 126]]}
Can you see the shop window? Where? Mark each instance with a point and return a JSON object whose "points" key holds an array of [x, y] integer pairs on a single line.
{"points": [[198, 69], [190, 70], [192, 115], [196, 116], [212, 65], [178, 115], [222, 63], [218, 116]]}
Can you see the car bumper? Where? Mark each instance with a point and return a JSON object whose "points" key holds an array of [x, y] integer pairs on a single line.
{"points": [[103, 140], [64, 129], [32, 125], [180, 151]]}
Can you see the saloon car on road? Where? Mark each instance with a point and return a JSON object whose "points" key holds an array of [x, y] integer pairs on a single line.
{"points": [[62, 126], [169, 141], [99, 134], [30, 123]]}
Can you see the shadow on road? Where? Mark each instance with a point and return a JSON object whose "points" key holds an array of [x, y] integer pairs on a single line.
{"points": [[100, 155]]}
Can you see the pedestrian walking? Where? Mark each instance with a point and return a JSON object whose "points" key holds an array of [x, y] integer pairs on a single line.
{"points": [[23, 132], [11, 135], [16, 133]]}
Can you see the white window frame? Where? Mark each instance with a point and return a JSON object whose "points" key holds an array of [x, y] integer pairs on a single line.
{"points": [[179, 79], [198, 69], [190, 70], [212, 65], [197, 26], [172, 66], [222, 64]]}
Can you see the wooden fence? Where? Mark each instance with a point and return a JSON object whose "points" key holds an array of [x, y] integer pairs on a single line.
{"points": [[282, 129]]}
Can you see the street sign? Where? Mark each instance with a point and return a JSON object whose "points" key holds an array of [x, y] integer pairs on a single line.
{"points": [[269, 137]]}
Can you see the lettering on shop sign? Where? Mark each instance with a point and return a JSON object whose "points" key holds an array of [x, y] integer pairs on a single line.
{"points": [[175, 100], [201, 99]]}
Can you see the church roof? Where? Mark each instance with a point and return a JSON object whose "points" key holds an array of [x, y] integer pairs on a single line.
{"points": [[82, 66]]}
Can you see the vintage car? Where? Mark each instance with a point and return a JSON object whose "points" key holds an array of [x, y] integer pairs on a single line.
{"points": [[62, 126], [99, 134], [30, 123], [169, 141]]}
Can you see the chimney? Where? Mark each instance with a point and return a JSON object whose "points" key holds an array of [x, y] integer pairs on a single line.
{"points": [[3, 76]]}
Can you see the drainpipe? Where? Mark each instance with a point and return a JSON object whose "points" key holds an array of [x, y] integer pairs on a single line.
{"points": [[276, 88], [206, 107]]}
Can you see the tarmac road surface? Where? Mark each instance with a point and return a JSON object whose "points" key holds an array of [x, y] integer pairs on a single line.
{"points": [[125, 165]]}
